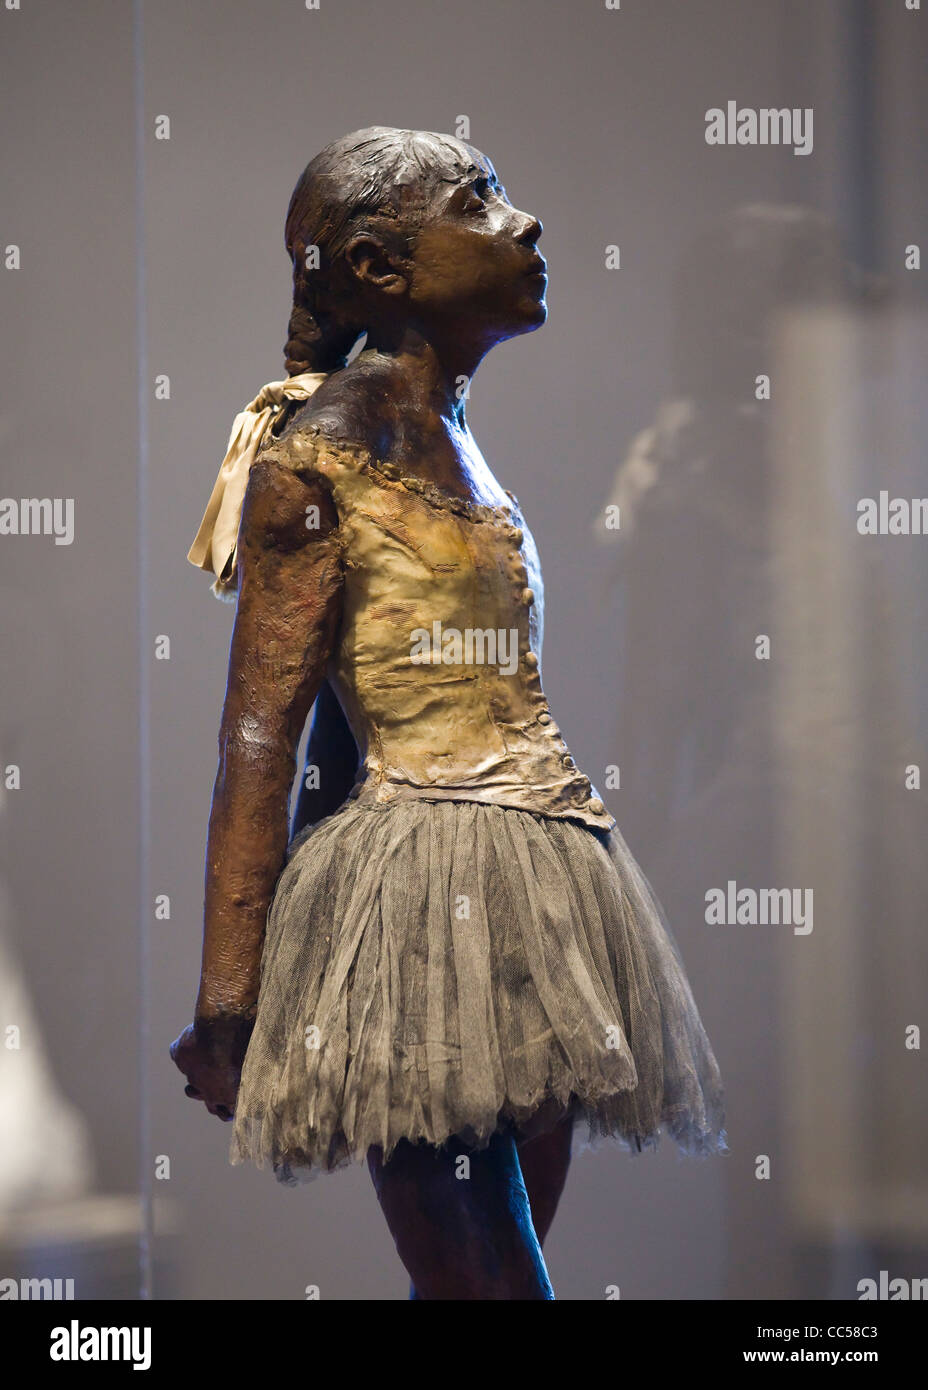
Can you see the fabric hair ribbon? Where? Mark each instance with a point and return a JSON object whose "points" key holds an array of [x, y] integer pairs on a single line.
{"points": [[217, 539]]}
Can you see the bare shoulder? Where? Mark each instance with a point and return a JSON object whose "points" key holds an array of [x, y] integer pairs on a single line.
{"points": [[354, 408]]}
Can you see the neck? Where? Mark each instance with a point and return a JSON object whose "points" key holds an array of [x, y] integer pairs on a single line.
{"points": [[438, 371]]}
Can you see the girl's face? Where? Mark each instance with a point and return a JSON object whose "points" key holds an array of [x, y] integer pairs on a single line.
{"points": [[475, 264]]}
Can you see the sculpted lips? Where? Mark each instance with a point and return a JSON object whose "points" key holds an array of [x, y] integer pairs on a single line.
{"points": [[536, 272]]}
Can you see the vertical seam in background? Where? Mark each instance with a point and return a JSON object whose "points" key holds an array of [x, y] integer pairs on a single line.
{"points": [[146, 1226], [865, 34]]}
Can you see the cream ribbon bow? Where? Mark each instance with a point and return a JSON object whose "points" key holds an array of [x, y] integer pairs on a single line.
{"points": [[217, 539]]}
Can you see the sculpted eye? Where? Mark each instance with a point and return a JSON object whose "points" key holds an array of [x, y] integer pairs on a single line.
{"points": [[476, 195], [481, 191]]}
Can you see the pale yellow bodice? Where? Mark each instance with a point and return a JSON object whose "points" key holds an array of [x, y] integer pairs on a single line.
{"points": [[437, 663]]}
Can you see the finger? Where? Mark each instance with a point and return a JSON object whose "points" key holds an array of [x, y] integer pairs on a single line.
{"points": [[223, 1112], [193, 1093]]}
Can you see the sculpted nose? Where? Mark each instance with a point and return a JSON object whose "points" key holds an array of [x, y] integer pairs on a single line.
{"points": [[531, 230]]}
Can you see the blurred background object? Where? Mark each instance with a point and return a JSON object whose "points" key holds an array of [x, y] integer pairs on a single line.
{"points": [[44, 1146], [852, 736]]}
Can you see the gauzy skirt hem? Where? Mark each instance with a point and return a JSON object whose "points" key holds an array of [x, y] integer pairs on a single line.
{"points": [[447, 970]]}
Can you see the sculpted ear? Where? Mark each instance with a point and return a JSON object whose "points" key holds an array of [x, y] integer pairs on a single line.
{"points": [[373, 264]]}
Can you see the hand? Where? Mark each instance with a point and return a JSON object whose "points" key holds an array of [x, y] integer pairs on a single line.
{"points": [[210, 1053]]}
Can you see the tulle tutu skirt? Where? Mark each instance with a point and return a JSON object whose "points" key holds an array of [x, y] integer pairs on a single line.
{"points": [[439, 969]]}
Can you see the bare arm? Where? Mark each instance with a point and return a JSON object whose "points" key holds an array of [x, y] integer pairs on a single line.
{"points": [[289, 606]]}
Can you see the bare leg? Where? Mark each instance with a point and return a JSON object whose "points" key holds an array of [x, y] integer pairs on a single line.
{"points": [[544, 1161], [462, 1237]]}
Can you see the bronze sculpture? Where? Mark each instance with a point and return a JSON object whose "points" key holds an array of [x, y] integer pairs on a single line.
{"points": [[451, 954]]}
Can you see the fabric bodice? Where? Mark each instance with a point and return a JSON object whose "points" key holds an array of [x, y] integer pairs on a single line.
{"points": [[437, 664]]}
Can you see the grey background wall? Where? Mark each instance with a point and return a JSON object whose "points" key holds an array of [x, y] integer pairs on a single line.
{"points": [[70, 668], [595, 121]]}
